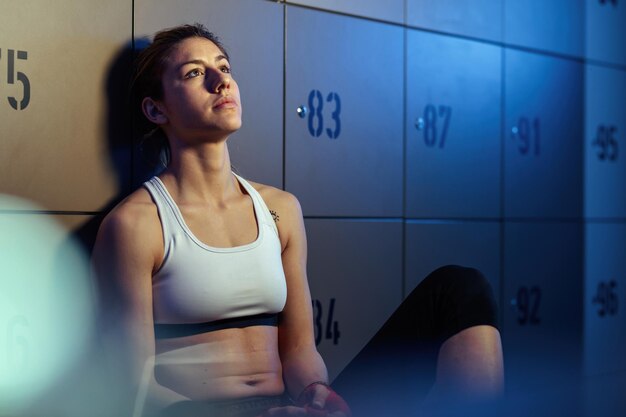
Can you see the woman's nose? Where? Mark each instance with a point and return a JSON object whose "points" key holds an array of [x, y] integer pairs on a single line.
{"points": [[219, 81]]}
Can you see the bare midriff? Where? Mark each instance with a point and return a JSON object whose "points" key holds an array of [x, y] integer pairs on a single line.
{"points": [[221, 365]]}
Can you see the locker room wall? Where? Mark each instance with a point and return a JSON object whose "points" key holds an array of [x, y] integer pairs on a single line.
{"points": [[414, 133]]}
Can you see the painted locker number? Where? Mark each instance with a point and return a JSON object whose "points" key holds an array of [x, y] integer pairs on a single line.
{"points": [[606, 298], [316, 114], [527, 136], [332, 326], [527, 302], [21, 77], [16, 345], [606, 142], [428, 124]]}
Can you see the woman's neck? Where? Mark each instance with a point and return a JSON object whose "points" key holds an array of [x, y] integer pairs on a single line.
{"points": [[201, 173]]}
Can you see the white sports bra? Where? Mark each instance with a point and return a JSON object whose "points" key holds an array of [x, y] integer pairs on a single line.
{"points": [[200, 284]]}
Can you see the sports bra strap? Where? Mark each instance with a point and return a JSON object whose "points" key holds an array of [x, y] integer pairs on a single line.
{"points": [[166, 331]]}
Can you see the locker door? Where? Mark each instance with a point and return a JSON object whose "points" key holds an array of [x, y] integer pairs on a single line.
{"points": [[388, 10], [62, 76], [252, 33], [355, 276], [47, 305], [548, 25], [605, 125], [430, 245], [474, 18], [453, 127], [344, 112], [605, 295], [543, 134], [605, 32], [542, 304]]}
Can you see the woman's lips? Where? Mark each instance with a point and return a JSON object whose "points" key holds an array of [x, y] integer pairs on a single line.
{"points": [[225, 103]]}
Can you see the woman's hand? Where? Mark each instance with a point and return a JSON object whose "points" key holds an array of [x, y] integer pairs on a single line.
{"points": [[318, 396], [317, 400]]}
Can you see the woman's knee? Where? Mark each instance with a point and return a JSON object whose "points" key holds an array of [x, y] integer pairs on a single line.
{"points": [[462, 297]]}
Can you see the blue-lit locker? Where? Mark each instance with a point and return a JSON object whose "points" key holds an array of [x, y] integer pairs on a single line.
{"points": [[605, 125], [542, 303], [355, 277], [547, 25], [480, 19], [388, 10], [543, 133], [605, 31], [343, 114], [432, 244], [453, 131], [604, 297]]}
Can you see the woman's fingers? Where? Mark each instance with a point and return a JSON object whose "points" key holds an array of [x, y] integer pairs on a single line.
{"points": [[285, 411], [320, 394]]}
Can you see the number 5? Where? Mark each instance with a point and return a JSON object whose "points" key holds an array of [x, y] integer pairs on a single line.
{"points": [[20, 77]]}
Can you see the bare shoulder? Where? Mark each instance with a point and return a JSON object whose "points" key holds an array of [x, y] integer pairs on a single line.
{"points": [[286, 211], [133, 222], [278, 201]]}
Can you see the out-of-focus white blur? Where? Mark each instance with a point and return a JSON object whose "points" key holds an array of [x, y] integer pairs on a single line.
{"points": [[46, 303]]}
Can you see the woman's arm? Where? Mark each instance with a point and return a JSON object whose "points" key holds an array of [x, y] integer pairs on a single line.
{"points": [[124, 257], [301, 362]]}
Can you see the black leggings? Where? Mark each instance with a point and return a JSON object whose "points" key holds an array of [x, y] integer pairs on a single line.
{"points": [[396, 369]]}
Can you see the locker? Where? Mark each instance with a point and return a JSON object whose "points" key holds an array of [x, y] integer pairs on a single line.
{"points": [[389, 10], [605, 32], [355, 278], [542, 304], [543, 152], [47, 305], [432, 244], [61, 78], [480, 19], [605, 125], [252, 33], [604, 395], [604, 298], [343, 115], [453, 127], [548, 25]]}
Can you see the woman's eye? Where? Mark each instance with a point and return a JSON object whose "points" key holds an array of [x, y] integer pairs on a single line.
{"points": [[193, 73], [226, 69]]}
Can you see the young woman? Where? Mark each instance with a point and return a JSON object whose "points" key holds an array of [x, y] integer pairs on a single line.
{"points": [[205, 280]]}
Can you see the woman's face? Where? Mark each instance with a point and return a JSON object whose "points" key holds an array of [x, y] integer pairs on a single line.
{"points": [[199, 93]]}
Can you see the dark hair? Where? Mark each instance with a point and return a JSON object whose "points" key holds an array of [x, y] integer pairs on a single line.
{"points": [[146, 82]]}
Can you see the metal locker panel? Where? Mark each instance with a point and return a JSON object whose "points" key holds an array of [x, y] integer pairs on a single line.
{"points": [[355, 277], [389, 10], [604, 395], [605, 294], [605, 125], [605, 32], [344, 153], [255, 46], [475, 18], [432, 244], [542, 304], [453, 127], [543, 151], [47, 304], [62, 82], [548, 25]]}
